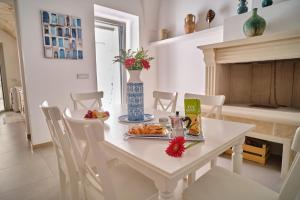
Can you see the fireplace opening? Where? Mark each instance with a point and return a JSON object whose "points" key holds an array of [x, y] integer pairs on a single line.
{"points": [[269, 84]]}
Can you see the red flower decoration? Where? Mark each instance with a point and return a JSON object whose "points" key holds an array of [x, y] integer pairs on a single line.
{"points": [[176, 147], [129, 62], [145, 64]]}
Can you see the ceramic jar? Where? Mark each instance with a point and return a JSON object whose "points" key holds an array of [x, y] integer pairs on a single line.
{"points": [[135, 96], [242, 7], [255, 25], [265, 3], [163, 34], [190, 23]]}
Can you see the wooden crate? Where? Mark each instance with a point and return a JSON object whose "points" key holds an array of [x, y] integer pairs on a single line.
{"points": [[256, 154]]}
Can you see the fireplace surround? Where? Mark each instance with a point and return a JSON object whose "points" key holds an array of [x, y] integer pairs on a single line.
{"points": [[261, 71], [270, 84]]}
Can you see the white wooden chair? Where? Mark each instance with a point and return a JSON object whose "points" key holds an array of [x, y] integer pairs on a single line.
{"points": [[220, 183], [159, 97], [68, 175], [215, 102], [109, 182], [94, 98]]}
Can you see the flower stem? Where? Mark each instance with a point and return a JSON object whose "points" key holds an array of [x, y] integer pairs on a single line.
{"points": [[191, 144]]}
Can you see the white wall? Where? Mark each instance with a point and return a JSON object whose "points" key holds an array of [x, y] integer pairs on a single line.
{"points": [[173, 12], [11, 60], [181, 67], [280, 17], [53, 79]]}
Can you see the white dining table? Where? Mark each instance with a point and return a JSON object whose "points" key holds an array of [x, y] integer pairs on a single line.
{"points": [[149, 158]]}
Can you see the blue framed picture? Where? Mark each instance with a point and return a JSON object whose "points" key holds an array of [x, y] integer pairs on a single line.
{"points": [[61, 20], [62, 53], [53, 30], [61, 42], [73, 32], [47, 41], [79, 33], [62, 36], [53, 18], [80, 56], [45, 17], [79, 22], [54, 41], [74, 22], [59, 31]]}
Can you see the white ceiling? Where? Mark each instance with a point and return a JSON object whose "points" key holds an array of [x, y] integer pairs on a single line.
{"points": [[7, 19]]}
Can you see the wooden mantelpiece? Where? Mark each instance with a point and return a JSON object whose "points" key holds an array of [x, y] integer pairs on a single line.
{"points": [[272, 125], [261, 48]]}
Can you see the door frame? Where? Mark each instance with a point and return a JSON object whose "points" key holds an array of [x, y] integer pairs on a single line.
{"points": [[4, 79], [122, 45]]}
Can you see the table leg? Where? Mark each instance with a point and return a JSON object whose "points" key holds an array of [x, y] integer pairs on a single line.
{"points": [[213, 163], [237, 156], [286, 153], [166, 189], [191, 178]]}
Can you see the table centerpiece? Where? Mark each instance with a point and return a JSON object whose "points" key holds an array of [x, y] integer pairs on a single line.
{"points": [[135, 62]]}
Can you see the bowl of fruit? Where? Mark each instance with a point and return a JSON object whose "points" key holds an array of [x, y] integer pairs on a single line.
{"points": [[94, 114]]}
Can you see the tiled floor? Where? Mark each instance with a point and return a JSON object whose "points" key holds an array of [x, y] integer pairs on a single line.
{"points": [[27, 175], [23, 174]]}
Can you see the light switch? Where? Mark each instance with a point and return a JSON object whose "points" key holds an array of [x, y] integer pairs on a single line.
{"points": [[83, 76]]}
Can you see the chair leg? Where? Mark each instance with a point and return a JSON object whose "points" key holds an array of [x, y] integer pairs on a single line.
{"points": [[213, 163], [74, 188], [63, 185]]}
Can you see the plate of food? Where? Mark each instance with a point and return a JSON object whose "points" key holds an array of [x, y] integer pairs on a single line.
{"points": [[94, 114], [148, 130]]}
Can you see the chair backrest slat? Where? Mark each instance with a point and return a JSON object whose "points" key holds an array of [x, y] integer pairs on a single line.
{"points": [[216, 103], [170, 96], [94, 99], [291, 185]]}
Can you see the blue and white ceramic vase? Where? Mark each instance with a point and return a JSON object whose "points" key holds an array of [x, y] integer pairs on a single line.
{"points": [[135, 96]]}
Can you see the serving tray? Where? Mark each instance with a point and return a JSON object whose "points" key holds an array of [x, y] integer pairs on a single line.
{"points": [[167, 136]]}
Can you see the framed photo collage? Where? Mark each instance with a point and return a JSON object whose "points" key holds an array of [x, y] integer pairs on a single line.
{"points": [[62, 36]]}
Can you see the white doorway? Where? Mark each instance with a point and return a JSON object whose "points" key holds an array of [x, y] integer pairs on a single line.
{"points": [[111, 77], [2, 107]]}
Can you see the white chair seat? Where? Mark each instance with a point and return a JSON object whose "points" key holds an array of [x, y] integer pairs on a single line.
{"points": [[128, 184], [228, 186]]}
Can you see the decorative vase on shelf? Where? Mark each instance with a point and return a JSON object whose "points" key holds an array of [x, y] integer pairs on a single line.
{"points": [[242, 7], [189, 23], [255, 25], [135, 96], [265, 3]]}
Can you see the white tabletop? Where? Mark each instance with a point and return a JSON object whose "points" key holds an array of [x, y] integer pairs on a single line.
{"points": [[151, 153]]}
